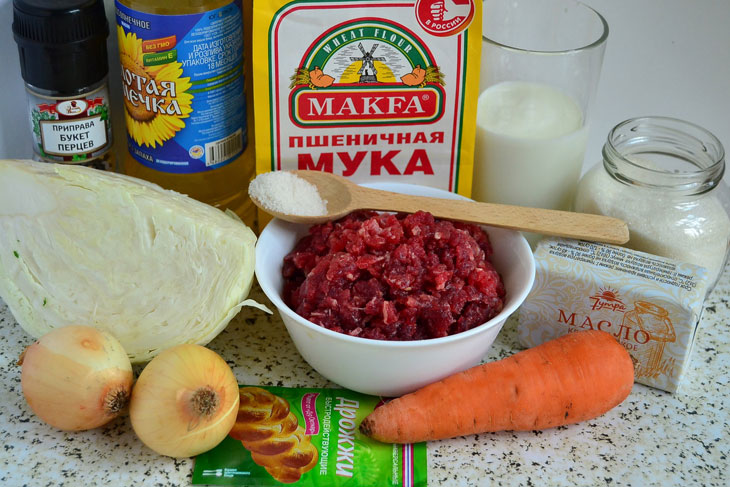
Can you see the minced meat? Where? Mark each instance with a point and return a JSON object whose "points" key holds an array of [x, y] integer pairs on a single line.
{"points": [[393, 276]]}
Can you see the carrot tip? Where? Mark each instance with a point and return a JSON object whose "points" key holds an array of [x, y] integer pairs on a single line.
{"points": [[366, 427]]}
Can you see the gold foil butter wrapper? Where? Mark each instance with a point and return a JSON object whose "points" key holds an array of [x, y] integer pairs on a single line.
{"points": [[651, 304]]}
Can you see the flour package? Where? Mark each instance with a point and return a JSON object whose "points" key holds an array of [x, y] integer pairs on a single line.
{"points": [[373, 90], [651, 304]]}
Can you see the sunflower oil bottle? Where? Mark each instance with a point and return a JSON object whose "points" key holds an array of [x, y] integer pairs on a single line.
{"points": [[189, 123]]}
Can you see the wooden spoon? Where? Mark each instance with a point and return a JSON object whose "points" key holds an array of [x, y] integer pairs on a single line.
{"points": [[344, 196]]}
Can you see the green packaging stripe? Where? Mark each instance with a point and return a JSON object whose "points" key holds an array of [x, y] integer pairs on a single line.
{"points": [[158, 58], [329, 420]]}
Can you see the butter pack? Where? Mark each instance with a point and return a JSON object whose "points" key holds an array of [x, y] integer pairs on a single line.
{"points": [[651, 304]]}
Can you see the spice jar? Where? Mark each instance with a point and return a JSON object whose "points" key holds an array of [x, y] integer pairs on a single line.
{"points": [[663, 177], [63, 61]]}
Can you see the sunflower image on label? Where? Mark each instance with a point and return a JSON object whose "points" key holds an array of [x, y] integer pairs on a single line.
{"points": [[369, 89], [183, 87]]}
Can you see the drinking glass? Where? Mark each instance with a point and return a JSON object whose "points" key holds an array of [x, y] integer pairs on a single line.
{"points": [[540, 65]]}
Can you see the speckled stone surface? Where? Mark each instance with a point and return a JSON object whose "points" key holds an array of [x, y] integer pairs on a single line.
{"points": [[652, 438]]}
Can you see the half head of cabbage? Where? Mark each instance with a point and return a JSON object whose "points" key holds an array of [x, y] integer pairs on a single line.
{"points": [[152, 267]]}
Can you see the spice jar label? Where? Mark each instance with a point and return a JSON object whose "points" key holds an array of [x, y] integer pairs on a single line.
{"points": [[371, 89], [71, 130], [651, 304]]}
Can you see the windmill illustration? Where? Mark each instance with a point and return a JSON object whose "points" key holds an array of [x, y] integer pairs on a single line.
{"points": [[367, 71]]}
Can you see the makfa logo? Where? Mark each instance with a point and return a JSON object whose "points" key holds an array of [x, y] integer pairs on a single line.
{"points": [[367, 72], [607, 299]]}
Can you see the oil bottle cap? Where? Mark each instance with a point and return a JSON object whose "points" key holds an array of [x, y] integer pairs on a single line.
{"points": [[61, 43]]}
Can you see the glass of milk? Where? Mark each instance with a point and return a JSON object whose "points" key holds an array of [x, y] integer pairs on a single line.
{"points": [[540, 66]]}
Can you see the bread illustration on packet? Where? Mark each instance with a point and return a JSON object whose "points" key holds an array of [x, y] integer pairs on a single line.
{"points": [[271, 432]]}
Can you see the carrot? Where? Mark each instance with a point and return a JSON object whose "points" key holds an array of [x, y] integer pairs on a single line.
{"points": [[570, 379]]}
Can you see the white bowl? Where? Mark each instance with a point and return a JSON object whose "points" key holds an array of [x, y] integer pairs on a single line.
{"points": [[392, 368]]}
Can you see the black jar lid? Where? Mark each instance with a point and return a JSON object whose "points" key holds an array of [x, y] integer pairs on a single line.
{"points": [[61, 43]]}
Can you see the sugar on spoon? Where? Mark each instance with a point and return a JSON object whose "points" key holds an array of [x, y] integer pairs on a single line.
{"points": [[342, 196]]}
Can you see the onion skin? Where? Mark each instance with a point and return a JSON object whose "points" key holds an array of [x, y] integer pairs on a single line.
{"points": [[76, 378], [170, 394]]}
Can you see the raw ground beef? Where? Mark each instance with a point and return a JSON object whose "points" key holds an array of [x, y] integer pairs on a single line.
{"points": [[393, 277]]}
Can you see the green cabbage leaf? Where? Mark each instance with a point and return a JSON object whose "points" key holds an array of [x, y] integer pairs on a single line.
{"points": [[151, 266]]}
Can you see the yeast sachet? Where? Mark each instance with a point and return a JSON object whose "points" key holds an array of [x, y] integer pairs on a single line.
{"points": [[307, 437]]}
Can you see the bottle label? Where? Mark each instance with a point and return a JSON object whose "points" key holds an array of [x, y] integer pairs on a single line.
{"points": [[70, 130], [183, 87]]}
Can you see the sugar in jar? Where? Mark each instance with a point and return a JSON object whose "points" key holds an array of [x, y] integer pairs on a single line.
{"points": [[663, 177]]}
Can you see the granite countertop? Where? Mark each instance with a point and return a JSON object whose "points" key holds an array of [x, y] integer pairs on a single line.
{"points": [[652, 438]]}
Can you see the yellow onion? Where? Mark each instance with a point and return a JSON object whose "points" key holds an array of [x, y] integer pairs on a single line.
{"points": [[184, 402], [76, 377]]}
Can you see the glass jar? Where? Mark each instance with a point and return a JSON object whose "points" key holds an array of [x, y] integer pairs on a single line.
{"points": [[63, 62], [663, 177]]}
